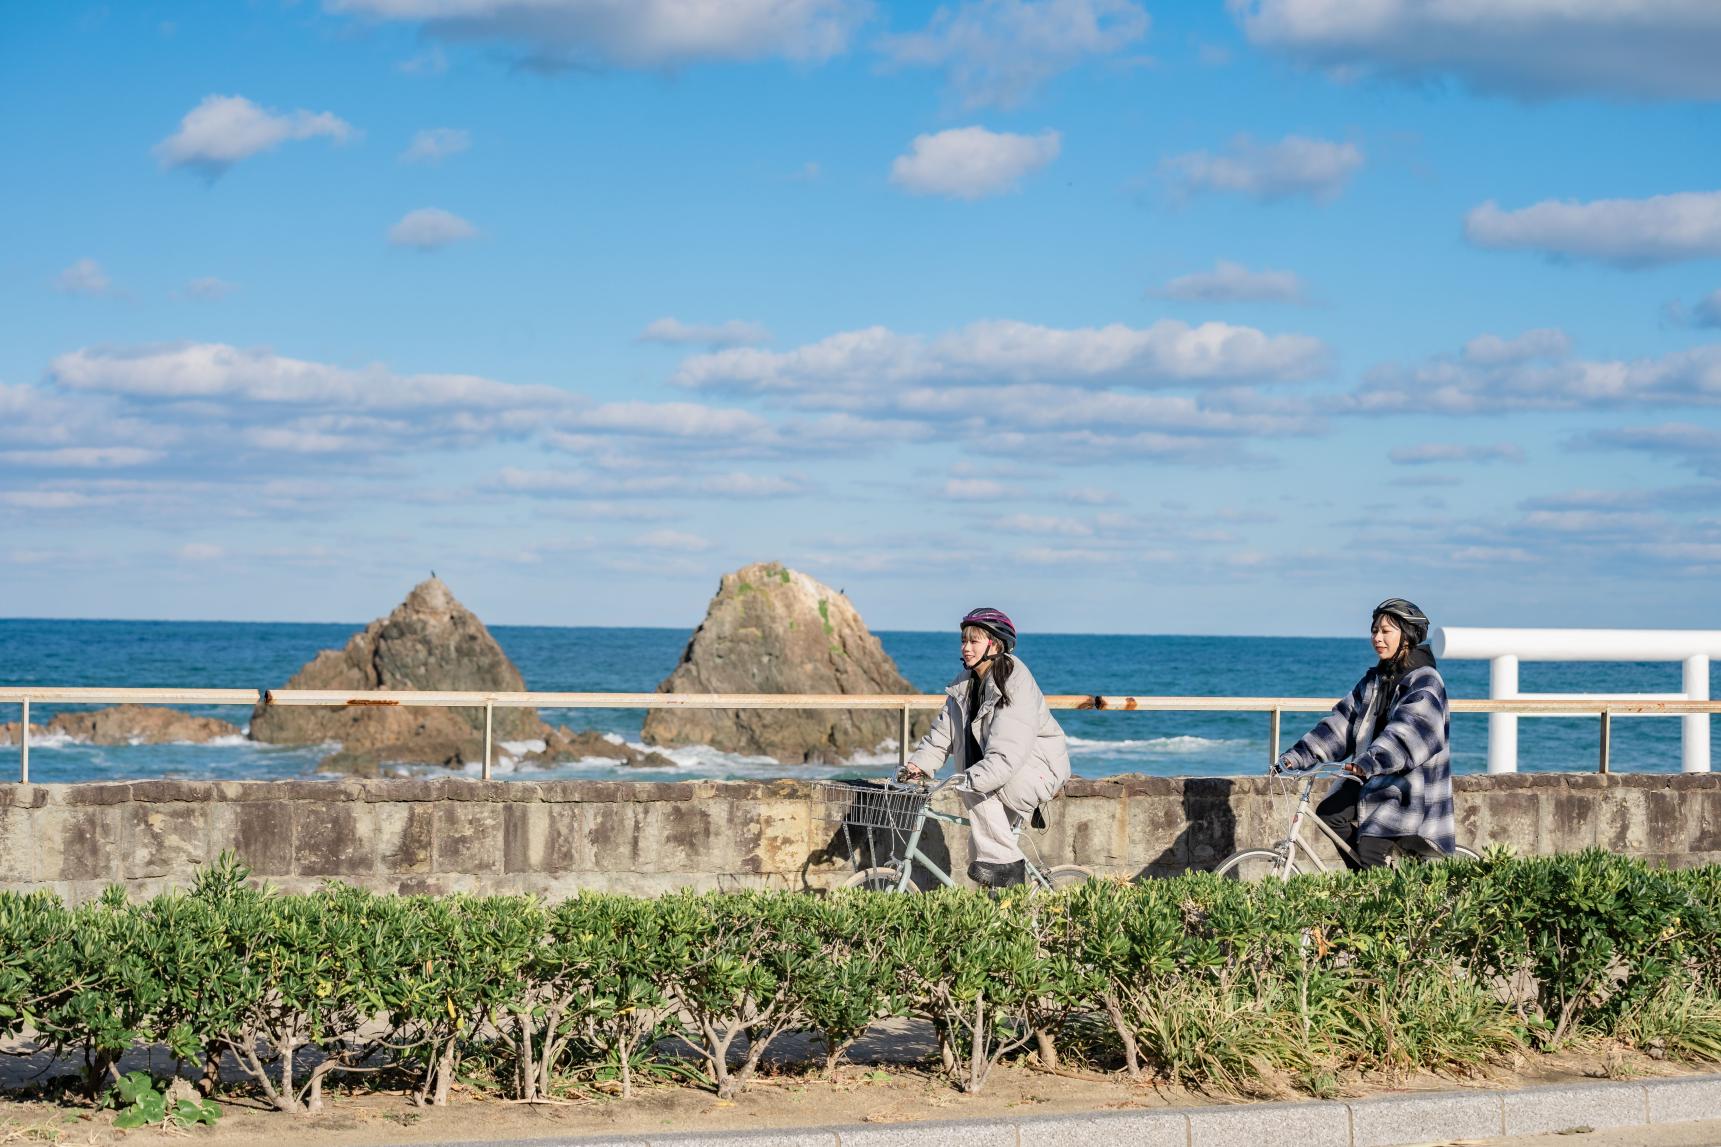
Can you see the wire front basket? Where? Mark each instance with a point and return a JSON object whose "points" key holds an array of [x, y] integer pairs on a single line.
{"points": [[872, 820], [858, 804]]}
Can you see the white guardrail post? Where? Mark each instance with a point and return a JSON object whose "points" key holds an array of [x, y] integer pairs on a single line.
{"points": [[1504, 648]]}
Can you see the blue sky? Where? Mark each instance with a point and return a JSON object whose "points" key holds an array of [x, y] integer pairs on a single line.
{"points": [[1196, 317]]}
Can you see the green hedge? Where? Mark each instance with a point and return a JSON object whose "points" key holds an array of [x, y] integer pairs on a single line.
{"points": [[1202, 981]]}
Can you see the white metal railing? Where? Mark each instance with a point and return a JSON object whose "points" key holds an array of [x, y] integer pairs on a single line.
{"points": [[1504, 648], [905, 704]]}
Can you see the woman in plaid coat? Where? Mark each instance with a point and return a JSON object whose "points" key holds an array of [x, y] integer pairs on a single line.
{"points": [[1396, 729]]}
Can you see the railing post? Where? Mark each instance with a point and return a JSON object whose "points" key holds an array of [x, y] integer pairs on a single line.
{"points": [[1273, 737], [1695, 757], [1503, 727], [1606, 735], [487, 712], [902, 742], [24, 745]]}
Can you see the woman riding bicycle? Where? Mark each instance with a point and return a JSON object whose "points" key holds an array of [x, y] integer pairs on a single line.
{"points": [[996, 726], [1395, 727]]}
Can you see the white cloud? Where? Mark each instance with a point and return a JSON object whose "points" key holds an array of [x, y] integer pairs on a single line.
{"points": [[635, 33], [1044, 524], [209, 288], [971, 162], [674, 332], [201, 552], [1431, 453], [672, 420], [1234, 283], [82, 457], [1683, 442], [999, 51], [977, 490], [1537, 372], [222, 130], [1627, 232], [583, 484], [430, 229], [85, 277], [202, 371], [1295, 165], [1536, 48], [671, 541], [997, 351], [436, 144]]}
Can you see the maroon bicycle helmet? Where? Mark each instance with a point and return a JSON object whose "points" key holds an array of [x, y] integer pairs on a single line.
{"points": [[995, 622]]}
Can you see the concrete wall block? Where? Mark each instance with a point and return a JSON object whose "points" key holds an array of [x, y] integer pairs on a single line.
{"points": [[334, 839], [606, 837], [72, 844], [538, 838], [169, 840], [1513, 818], [1306, 1124], [1544, 1109], [1136, 1128], [976, 1134], [810, 1138], [776, 837], [405, 834], [1423, 1119], [1680, 1100], [259, 832], [468, 838], [18, 844]]}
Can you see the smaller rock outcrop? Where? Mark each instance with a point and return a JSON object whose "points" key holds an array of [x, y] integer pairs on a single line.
{"points": [[140, 725], [431, 642], [10, 730], [771, 629]]}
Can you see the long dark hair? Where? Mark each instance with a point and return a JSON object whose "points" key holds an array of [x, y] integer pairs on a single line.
{"points": [[1002, 666]]}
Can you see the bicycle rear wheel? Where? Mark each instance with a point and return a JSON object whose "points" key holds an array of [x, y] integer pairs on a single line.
{"points": [[1252, 864], [1459, 852], [1067, 876]]}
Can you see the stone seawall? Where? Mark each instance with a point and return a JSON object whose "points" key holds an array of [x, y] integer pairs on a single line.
{"points": [[645, 837]]}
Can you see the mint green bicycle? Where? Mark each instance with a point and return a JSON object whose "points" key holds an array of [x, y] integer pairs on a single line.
{"points": [[884, 821]]}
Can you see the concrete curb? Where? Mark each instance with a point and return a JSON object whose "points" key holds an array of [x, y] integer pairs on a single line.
{"points": [[1387, 1121]]}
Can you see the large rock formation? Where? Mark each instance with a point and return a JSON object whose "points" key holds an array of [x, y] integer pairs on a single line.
{"points": [[430, 642], [773, 630]]}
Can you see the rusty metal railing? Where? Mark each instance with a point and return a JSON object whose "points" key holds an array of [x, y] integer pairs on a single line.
{"points": [[1606, 707]]}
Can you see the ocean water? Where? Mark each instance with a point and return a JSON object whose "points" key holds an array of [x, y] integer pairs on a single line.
{"points": [[264, 655]]}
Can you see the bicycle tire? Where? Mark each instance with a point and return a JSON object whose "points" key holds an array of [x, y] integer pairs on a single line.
{"points": [[1460, 852], [1067, 876], [881, 878], [1253, 864]]}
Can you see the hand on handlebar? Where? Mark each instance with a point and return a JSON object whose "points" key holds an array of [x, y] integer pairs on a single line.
{"points": [[910, 774]]}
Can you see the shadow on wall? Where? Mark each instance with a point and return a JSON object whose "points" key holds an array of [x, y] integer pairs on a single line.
{"points": [[1209, 830]]}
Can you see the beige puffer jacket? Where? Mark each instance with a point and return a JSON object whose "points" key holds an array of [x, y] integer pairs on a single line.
{"points": [[1011, 738]]}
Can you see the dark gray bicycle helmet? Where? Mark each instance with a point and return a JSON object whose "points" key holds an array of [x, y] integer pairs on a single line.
{"points": [[1410, 619]]}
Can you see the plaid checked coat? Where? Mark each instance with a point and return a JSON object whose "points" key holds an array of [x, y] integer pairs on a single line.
{"points": [[1407, 770]]}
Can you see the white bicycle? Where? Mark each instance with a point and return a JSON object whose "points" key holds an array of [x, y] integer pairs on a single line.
{"points": [[889, 817], [1281, 860]]}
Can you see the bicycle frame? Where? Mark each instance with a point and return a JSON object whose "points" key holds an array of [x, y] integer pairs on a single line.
{"points": [[1294, 839], [912, 855]]}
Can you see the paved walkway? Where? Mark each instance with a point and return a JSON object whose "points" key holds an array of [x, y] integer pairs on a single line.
{"points": [[1663, 1113]]}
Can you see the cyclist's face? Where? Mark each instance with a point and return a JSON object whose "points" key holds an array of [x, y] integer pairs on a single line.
{"points": [[976, 643], [1386, 635]]}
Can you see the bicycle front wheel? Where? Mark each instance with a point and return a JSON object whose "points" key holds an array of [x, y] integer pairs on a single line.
{"points": [[884, 878], [1252, 864], [1459, 852], [1067, 876]]}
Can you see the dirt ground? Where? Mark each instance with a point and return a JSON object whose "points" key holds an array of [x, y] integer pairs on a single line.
{"points": [[888, 1083]]}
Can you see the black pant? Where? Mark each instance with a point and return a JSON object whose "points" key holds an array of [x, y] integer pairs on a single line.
{"points": [[1338, 809]]}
